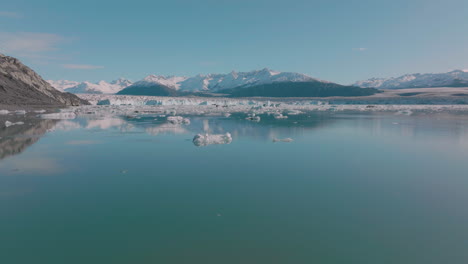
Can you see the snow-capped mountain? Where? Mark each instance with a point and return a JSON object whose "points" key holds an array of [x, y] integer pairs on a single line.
{"points": [[266, 83], [215, 82], [101, 87], [62, 85], [457, 78]]}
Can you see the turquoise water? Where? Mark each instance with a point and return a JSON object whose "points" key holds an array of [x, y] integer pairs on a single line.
{"points": [[351, 188]]}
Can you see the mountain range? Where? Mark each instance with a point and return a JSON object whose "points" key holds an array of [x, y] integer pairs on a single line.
{"points": [[457, 78], [198, 83], [101, 87], [259, 83], [265, 82]]}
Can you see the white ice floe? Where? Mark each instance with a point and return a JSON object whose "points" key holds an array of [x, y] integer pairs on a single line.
{"points": [[279, 116], [20, 112], [40, 111], [9, 124], [405, 112], [253, 117], [61, 115], [4, 112], [283, 140], [201, 140], [178, 120]]}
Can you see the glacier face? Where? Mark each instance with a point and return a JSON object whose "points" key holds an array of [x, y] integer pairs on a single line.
{"points": [[454, 78], [101, 87]]}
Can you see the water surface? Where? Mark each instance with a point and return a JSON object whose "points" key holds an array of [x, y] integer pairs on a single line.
{"points": [[351, 188]]}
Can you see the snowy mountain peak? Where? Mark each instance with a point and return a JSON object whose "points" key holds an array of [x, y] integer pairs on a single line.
{"points": [[200, 82], [216, 82], [101, 87], [457, 78]]}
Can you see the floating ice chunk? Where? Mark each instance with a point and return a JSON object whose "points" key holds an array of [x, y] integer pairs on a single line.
{"points": [[178, 120], [294, 112], [405, 112], [9, 124], [201, 140], [4, 112], [170, 112], [20, 112], [63, 115], [253, 117], [283, 140], [280, 116], [40, 111], [227, 114]]}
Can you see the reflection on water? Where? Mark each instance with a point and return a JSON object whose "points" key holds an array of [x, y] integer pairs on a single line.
{"points": [[338, 188], [452, 127], [15, 139]]}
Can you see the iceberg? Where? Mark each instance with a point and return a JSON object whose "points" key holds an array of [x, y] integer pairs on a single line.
{"points": [[283, 140], [201, 140], [178, 120]]}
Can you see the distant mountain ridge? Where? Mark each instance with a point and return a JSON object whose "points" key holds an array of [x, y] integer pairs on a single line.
{"points": [[215, 82], [101, 87], [457, 78], [266, 83]]}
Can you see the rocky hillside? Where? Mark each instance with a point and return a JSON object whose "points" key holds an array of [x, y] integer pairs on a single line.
{"points": [[20, 85]]}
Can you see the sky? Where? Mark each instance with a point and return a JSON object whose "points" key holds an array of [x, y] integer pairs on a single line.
{"points": [[336, 40]]}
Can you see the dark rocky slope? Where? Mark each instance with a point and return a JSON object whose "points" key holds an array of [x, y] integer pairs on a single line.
{"points": [[20, 85]]}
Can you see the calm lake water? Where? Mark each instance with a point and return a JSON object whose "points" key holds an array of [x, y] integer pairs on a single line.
{"points": [[351, 188]]}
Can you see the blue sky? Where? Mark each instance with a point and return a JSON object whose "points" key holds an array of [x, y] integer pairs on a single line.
{"points": [[336, 40]]}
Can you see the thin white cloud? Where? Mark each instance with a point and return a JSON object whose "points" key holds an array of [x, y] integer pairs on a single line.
{"points": [[28, 42], [360, 49], [10, 14], [82, 66]]}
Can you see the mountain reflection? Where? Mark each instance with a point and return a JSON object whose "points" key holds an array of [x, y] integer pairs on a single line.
{"points": [[15, 139]]}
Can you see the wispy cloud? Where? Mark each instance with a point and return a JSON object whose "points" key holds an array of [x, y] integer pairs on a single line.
{"points": [[360, 49], [82, 66], [29, 42], [10, 14], [39, 48]]}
